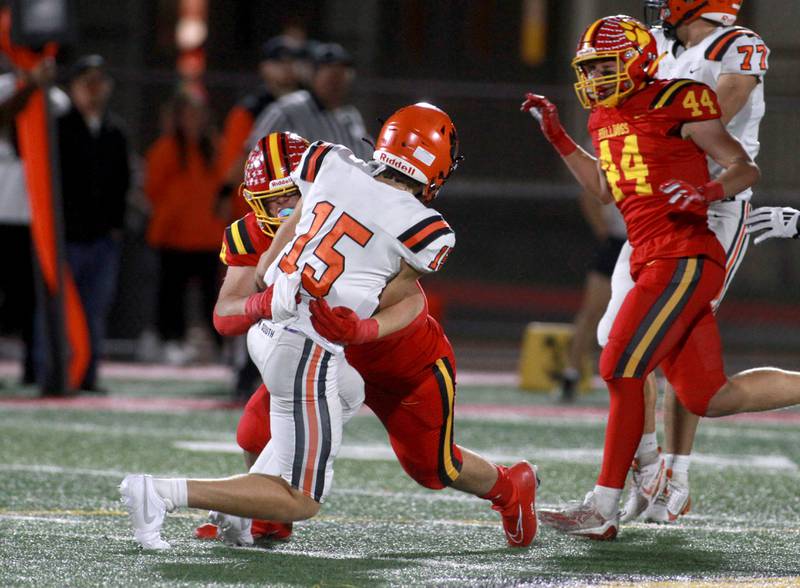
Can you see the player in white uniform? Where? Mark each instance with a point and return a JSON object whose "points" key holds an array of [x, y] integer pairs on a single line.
{"points": [[357, 227], [697, 40]]}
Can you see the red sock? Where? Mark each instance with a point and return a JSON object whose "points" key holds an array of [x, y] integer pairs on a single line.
{"points": [[623, 431], [503, 490]]}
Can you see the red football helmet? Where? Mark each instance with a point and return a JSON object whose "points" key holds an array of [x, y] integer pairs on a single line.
{"points": [[670, 14], [419, 141], [624, 40], [266, 175]]}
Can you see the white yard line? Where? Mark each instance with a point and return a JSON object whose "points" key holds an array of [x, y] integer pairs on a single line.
{"points": [[381, 452]]}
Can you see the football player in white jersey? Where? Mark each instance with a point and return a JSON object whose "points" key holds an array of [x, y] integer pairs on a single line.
{"points": [[357, 227], [696, 40]]}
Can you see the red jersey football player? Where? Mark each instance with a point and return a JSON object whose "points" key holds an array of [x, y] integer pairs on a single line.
{"points": [[652, 138], [409, 375]]}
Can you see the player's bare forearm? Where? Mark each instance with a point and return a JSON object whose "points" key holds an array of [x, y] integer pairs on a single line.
{"points": [[398, 316], [739, 176], [237, 286], [283, 235], [733, 90], [585, 169], [740, 170], [592, 211], [401, 301]]}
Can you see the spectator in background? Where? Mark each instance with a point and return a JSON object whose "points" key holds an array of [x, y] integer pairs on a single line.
{"points": [[95, 177], [608, 227], [322, 112], [279, 72], [17, 293], [181, 182]]}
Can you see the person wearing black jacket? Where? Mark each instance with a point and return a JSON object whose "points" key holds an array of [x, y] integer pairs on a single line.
{"points": [[95, 177]]}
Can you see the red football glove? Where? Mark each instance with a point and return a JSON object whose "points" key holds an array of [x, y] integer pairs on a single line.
{"points": [[547, 114], [340, 324], [686, 195], [259, 305]]}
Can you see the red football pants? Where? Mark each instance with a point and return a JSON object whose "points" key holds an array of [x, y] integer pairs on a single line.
{"points": [[419, 421], [666, 320]]}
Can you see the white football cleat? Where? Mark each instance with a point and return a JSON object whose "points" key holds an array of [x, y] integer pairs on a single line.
{"points": [[646, 486], [146, 510], [232, 530], [673, 502], [581, 519]]}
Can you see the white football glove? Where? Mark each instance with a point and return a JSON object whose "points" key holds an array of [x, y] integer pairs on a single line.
{"points": [[284, 297], [774, 221]]}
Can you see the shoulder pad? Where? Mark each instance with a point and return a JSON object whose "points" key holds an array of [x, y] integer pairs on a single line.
{"points": [[313, 158], [424, 232], [237, 238], [718, 47], [671, 90]]}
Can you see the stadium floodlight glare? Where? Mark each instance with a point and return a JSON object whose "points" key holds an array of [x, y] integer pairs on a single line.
{"points": [[36, 22]]}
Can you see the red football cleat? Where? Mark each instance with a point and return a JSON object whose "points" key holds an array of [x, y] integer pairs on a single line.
{"points": [[206, 531], [271, 530], [519, 515], [260, 529]]}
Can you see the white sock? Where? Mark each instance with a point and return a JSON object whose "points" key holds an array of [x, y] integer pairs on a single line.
{"points": [[668, 459], [680, 468], [648, 447], [172, 489], [607, 500]]}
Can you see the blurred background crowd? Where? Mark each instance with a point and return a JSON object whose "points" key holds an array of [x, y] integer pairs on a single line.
{"points": [[157, 102]]}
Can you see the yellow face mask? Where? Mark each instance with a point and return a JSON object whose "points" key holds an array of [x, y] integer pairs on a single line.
{"points": [[259, 201]]}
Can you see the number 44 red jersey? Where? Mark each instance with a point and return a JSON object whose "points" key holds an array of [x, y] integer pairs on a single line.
{"points": [[639, 146]]}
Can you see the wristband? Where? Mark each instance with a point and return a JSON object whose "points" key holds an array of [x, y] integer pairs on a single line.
{"points": [[259, 305], [564, 144], [712, 191], [367, 331]]}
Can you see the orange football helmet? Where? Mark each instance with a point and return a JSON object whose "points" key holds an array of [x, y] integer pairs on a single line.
{"points": [[266, 175], [628, 42], [670, 14], [419, 141]]}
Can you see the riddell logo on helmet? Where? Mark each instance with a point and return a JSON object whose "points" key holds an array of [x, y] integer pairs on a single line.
{"points": [[280, 183], [396, 163]]}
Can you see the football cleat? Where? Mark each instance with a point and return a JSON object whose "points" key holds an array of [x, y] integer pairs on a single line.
{"points": [[673, 502], [646, 485], [259, 529], [582, 520], [206, 531], [519, 515], [146, 510], [232, 530], [271, 530]]}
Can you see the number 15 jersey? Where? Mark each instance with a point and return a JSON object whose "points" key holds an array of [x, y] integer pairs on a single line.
{"points": [[353, 233], [639, 146]]}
